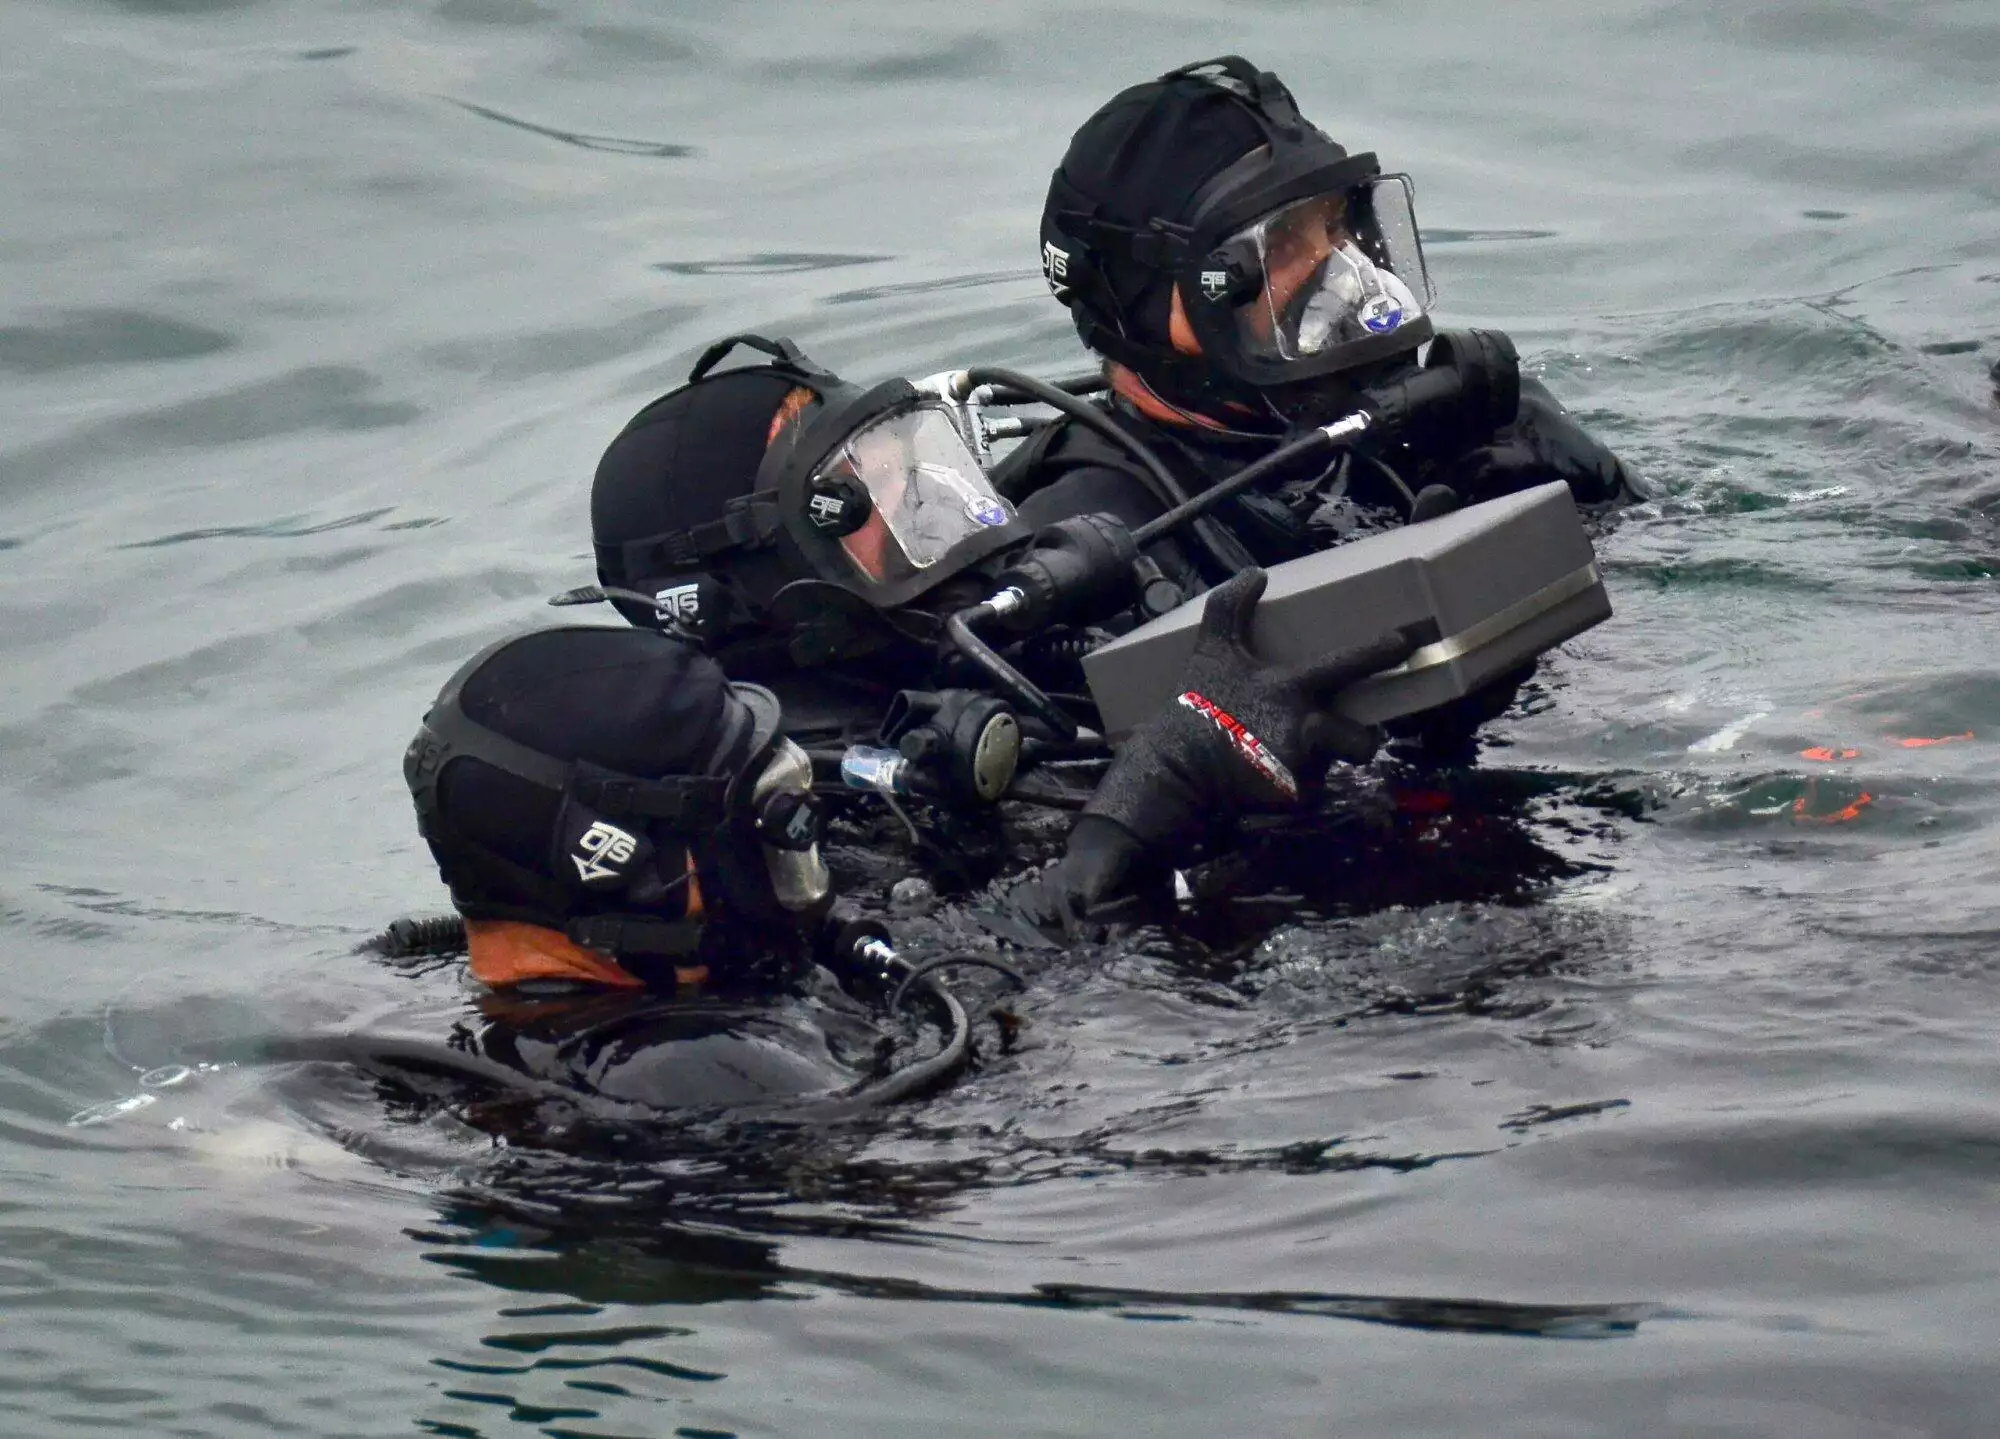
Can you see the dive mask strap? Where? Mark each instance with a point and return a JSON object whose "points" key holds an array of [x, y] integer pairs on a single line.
{"points": [[749, 522], [686, 800], [1260, 91], [780, 349]]}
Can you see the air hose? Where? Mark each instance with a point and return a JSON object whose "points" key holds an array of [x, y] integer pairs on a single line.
{"points": [[866, 952], [1011, 681], [1224, 548]]}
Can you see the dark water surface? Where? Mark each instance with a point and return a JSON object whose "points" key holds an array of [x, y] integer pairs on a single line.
{"points": [[313, 319]]}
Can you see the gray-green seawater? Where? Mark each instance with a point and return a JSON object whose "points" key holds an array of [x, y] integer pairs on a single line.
{"points": [[1649, 1089]]}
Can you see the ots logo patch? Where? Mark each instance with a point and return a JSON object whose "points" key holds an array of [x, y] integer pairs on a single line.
{"points": [[680, 604], [1245, 743], [602, 850], [827, 511], [1214, 284], [1055, 269]]}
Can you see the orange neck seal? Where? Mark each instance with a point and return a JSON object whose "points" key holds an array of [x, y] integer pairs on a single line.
{"points": [[506, 952]]}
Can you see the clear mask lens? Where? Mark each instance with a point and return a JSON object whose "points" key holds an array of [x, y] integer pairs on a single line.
{"points": [[798, 876], [926, 488], [1337, 269]]}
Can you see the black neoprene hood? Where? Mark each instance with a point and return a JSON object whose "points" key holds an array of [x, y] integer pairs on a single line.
{"points": [[693, 487], [1152, 187]]}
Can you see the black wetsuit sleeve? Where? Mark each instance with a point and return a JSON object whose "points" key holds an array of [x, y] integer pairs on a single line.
{"points": [[1544, 443]]}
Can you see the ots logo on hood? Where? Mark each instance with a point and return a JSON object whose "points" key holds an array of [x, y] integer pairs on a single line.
{"points": [[1214, 284], [680, 604], [604, 850], [827, 512], [1055, 269]]}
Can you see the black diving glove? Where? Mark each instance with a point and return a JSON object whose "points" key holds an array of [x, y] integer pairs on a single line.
{"points": [[1544, 443], [1241, 737]]}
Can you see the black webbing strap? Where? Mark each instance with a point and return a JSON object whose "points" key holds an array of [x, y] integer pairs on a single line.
{"points": [[781, 349], [622, 934], [689, 801], [750, 522]]}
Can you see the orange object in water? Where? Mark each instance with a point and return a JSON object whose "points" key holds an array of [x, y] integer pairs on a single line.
{"points": [[1927, 743], [1840, 816], [506, 952], [1823, 754]]}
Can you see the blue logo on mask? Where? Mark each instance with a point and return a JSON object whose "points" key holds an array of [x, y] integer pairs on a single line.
{"points": [[986, 512], [1381, 315]]}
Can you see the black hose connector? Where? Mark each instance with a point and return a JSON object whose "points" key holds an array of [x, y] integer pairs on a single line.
{"points": [[1081, 566], [1011, 681], [1469, 387]]}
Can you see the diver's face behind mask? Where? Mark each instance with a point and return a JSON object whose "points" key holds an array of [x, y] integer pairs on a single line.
{"points": [[1332, 273], [1317, 276], [885, 498], [922, 492]]}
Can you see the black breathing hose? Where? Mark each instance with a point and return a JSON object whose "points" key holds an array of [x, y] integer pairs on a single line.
{"points": [[1224, 548], [378, 1054], [924, 1076], [445, 934], [442, 934], [920, 972], [1340, 432], [1016, 685], [375, 1053]]}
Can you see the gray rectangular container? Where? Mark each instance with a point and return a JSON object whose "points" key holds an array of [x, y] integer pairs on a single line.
{"points": [[1492, 585]]}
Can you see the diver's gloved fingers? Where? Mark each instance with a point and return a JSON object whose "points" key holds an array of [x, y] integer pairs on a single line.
{"points": [[1102, 878], [1432, 501], [1005, 923], [1046, 902], [1230, 609], [1328, 737]]}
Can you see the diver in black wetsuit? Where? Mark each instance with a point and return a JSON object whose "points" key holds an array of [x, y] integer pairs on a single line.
{"points": [[748, 511], [1242, 275], [618, 823]]}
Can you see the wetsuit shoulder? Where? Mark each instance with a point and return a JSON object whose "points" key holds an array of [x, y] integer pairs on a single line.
{"points": [[1075, 471], [1068, 470]]}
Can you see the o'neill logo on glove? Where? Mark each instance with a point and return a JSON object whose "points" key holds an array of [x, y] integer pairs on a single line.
{"points": [[1245, 743]]}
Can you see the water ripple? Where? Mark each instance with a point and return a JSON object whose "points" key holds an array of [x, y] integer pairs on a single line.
{"points": [[610, 144]]}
